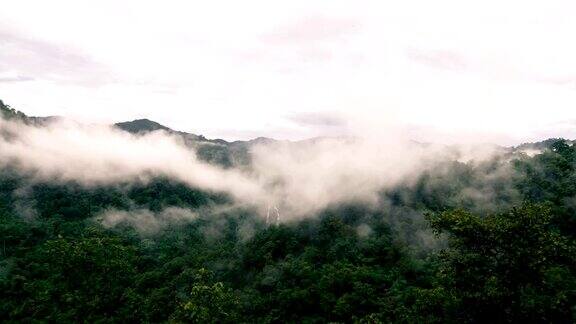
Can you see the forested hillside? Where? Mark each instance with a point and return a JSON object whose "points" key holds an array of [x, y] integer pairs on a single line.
{"points": [[464, 242]]}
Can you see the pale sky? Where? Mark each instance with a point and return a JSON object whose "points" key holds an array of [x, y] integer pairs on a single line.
{"points": [[495, 70]]}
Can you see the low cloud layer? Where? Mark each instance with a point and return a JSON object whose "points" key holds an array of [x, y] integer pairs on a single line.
{"points": [[296, 178], [312, 175], [97, 154]]}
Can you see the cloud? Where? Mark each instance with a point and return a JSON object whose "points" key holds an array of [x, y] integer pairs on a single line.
{"points": [[487, 66], [97, 154], [320, 124], [442, 59], [298, 178], [18, 78], [312, 39], [26, 56], [312, 29], [318, 119], [451, 60], [145, 221], [562, 80], [305, 177]]}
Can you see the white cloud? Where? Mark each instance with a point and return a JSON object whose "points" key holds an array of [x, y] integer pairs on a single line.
{"points": [[297, 178], [229, 67], [99, 154]]}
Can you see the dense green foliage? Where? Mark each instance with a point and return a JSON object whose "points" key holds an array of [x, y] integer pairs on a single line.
{"points": [[463, 243], [8, 112]]}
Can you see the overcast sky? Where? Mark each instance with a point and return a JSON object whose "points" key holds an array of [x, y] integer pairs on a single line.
{"points": [[494, 70]]}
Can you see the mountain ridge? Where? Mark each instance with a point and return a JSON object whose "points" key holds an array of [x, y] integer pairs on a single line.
{"points": [[142, 126]]}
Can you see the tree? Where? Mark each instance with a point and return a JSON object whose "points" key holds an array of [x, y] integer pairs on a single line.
{"points": [[207, 303], [508, 267], [73, 280]]}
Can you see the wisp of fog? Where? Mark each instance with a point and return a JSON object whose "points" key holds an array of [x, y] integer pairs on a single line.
{"points": [[296, 178]]}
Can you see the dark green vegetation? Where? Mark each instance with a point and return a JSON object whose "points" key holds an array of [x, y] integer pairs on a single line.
{"points": [[508, 256]]}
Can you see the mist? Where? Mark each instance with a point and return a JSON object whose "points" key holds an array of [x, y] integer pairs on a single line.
{"points": [[146, 222], [294, 179], [99, 154]]}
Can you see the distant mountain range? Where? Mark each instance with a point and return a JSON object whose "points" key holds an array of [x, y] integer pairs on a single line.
{"points": [[8, 112], [218, 151]]}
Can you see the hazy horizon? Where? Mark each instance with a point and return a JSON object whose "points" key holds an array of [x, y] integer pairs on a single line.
{"points": [[480, 141], [450, 71]]}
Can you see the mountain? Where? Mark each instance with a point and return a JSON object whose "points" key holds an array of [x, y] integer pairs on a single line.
{"points": [[141, 126], [542, 145], [459, 243], [216, 151], [236, 153], [8, 112]]}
